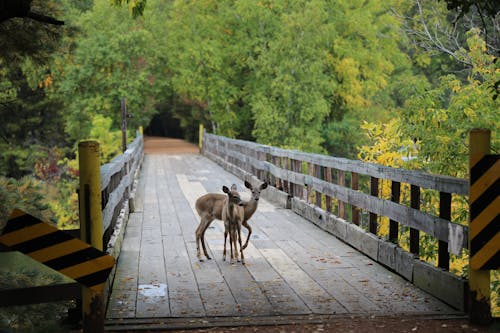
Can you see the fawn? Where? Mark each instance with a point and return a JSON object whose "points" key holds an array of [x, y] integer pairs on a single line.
{"points": [[233, 215], [209, 207]]}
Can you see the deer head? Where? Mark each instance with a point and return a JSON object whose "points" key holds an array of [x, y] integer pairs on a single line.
{"points": [[233, 195], [255, 191]]}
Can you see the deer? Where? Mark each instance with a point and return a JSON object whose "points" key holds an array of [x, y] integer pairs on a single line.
{"points": [[209, 207], [233, 215]]}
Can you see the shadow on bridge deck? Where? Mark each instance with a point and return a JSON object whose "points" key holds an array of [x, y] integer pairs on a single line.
{"points": [[293, 271]]}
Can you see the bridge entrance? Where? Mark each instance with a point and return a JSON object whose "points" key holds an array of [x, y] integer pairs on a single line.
{"points": [[294, 270]]}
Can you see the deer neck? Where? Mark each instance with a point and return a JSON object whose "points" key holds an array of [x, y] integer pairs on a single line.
{"points": [[231, 209], [250, 208]]}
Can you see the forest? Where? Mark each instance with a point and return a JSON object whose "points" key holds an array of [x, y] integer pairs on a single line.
{"points": [[395, 82]]}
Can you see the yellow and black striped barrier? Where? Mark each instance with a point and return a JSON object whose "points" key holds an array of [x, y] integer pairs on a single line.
{"points": [[57, 250], [484, 213]]}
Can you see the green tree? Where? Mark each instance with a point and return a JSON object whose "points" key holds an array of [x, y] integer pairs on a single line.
{"points": [[112, 59]]}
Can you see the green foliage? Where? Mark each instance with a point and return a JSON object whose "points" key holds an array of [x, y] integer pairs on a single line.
{"points": [[285, 71], [111, 60], [441, 117], [26, 194], [136, 7]]}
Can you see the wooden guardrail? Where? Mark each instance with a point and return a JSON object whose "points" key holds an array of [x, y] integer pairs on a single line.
{"points": [[117, 179], [313, 181]]}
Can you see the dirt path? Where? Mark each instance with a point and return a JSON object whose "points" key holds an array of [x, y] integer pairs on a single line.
{"points": [[162, 145]]}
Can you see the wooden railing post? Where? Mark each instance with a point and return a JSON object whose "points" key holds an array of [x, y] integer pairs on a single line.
{"points": [[200, 137], [354, 209], [124, 123], [328, 178], [317, 174], [373, 216], [91, 228], [394, 225], [341, 182], [414, 233], [444, 213], [479, 280]]}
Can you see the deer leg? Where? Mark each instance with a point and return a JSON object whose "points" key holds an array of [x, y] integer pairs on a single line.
{"points": [[241, 248], [199, 235], [233, 243], [224, 252], [249, 228], [236, 244], [207, 224], [203, 244]]}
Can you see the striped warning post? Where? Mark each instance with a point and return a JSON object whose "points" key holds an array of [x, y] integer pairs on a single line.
{"points": [[57, 249], [484, 213]]}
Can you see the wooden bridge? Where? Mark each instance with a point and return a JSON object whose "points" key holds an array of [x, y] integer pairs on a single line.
{"points": [[303, 262]]}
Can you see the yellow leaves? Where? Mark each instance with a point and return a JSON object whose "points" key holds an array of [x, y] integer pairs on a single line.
{"points": [[470, 113], [46, 82]]}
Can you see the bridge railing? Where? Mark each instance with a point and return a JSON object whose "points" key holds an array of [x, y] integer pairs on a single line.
{"points": [[117, 181], [312, 181]]}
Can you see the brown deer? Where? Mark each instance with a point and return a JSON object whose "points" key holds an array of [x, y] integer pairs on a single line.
{"points": [[233, 215], [209, 207]]}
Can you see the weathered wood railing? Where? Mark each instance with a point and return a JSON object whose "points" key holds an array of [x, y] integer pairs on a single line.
{"points": [[325, 181], [117, 181]]}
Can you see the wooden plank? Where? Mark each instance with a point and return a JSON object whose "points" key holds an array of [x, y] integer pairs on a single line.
{"points": [[323, 267], [40, 294], [182, 286], [313, 295]]}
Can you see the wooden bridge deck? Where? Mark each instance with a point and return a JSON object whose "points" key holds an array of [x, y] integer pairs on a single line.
{"points": [[293, 268]]}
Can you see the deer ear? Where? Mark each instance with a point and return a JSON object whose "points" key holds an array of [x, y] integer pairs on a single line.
{"points": [[233, 187], [248, 185], [225, 189], [263, 186]]}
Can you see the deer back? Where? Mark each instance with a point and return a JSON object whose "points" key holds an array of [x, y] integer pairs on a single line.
{"points": [[212, 204]]}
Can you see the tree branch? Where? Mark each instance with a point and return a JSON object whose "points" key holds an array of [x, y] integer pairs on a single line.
{"points": [[22, 8], [44, 18]]}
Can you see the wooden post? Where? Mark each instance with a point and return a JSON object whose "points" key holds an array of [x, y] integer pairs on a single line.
{"points": [[373, 216], [200, 138], [414, 233], [328, 178], [317, 174], [444, 213], [124, 124], [341, 182], [354, 209], [310, 169], [479, 280], [394, 225], [91, 228]]}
